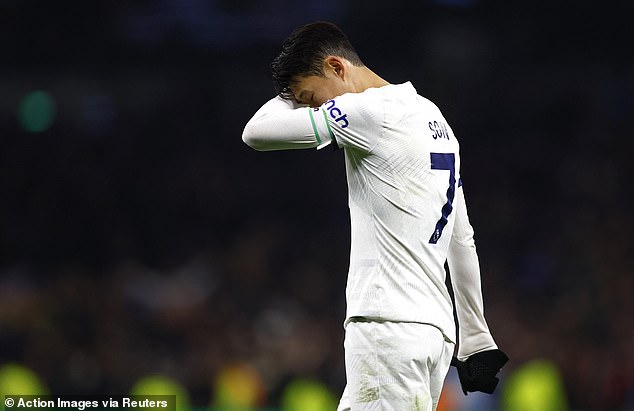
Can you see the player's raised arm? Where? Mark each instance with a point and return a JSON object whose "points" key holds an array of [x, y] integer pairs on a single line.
{"points": [[282, 124]]}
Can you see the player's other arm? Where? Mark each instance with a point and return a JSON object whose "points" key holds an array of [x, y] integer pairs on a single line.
{"points": [[281, 124], [479, 360], [464, 267]]}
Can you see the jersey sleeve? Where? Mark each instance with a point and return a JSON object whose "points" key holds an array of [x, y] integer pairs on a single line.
{"points": [[351, 120], [281, 124], [464, 267]]}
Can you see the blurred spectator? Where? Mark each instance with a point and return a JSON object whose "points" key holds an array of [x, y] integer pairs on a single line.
{"points": [[238, 387], [535, 386], [16, 379], [307, 395], [161, 385]]}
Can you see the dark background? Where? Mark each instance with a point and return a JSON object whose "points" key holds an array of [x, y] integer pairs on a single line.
{"points": [[139, 235]]}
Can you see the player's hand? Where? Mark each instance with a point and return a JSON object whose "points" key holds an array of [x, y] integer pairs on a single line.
{"points": [[478, 372]]}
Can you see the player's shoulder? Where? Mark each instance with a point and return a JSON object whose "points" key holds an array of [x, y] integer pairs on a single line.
{"points": [[366, 107], [375, 95], [378, 106], [402, 92], [407, 96], [375, 100], [403, 101]]}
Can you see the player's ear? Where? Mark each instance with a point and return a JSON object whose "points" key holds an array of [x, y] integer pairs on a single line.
{"points": [[334, 65]]}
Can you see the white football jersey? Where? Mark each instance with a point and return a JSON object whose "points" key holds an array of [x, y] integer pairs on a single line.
{"points": [[403, 172], [402, 165]]}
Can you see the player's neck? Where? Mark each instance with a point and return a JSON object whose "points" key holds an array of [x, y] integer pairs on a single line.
{"points": [[364, 78]]}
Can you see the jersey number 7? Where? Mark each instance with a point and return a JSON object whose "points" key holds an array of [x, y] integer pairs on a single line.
{"points": [[444, 161]]}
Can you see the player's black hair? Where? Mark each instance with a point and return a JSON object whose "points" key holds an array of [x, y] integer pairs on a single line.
{"points": [[304, 51]]}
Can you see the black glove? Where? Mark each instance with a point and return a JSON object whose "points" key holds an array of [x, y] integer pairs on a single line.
{"points": [[478, 372]]}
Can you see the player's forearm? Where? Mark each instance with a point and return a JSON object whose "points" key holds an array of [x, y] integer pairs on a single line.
{"points": [[474, 334], [464, 267], [279, 125]]}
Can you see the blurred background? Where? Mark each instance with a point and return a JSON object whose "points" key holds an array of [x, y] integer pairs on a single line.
{"points": [[141, 240]]}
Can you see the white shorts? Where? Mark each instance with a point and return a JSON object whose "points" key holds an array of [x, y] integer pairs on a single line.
{"points": [[394, 366]]}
